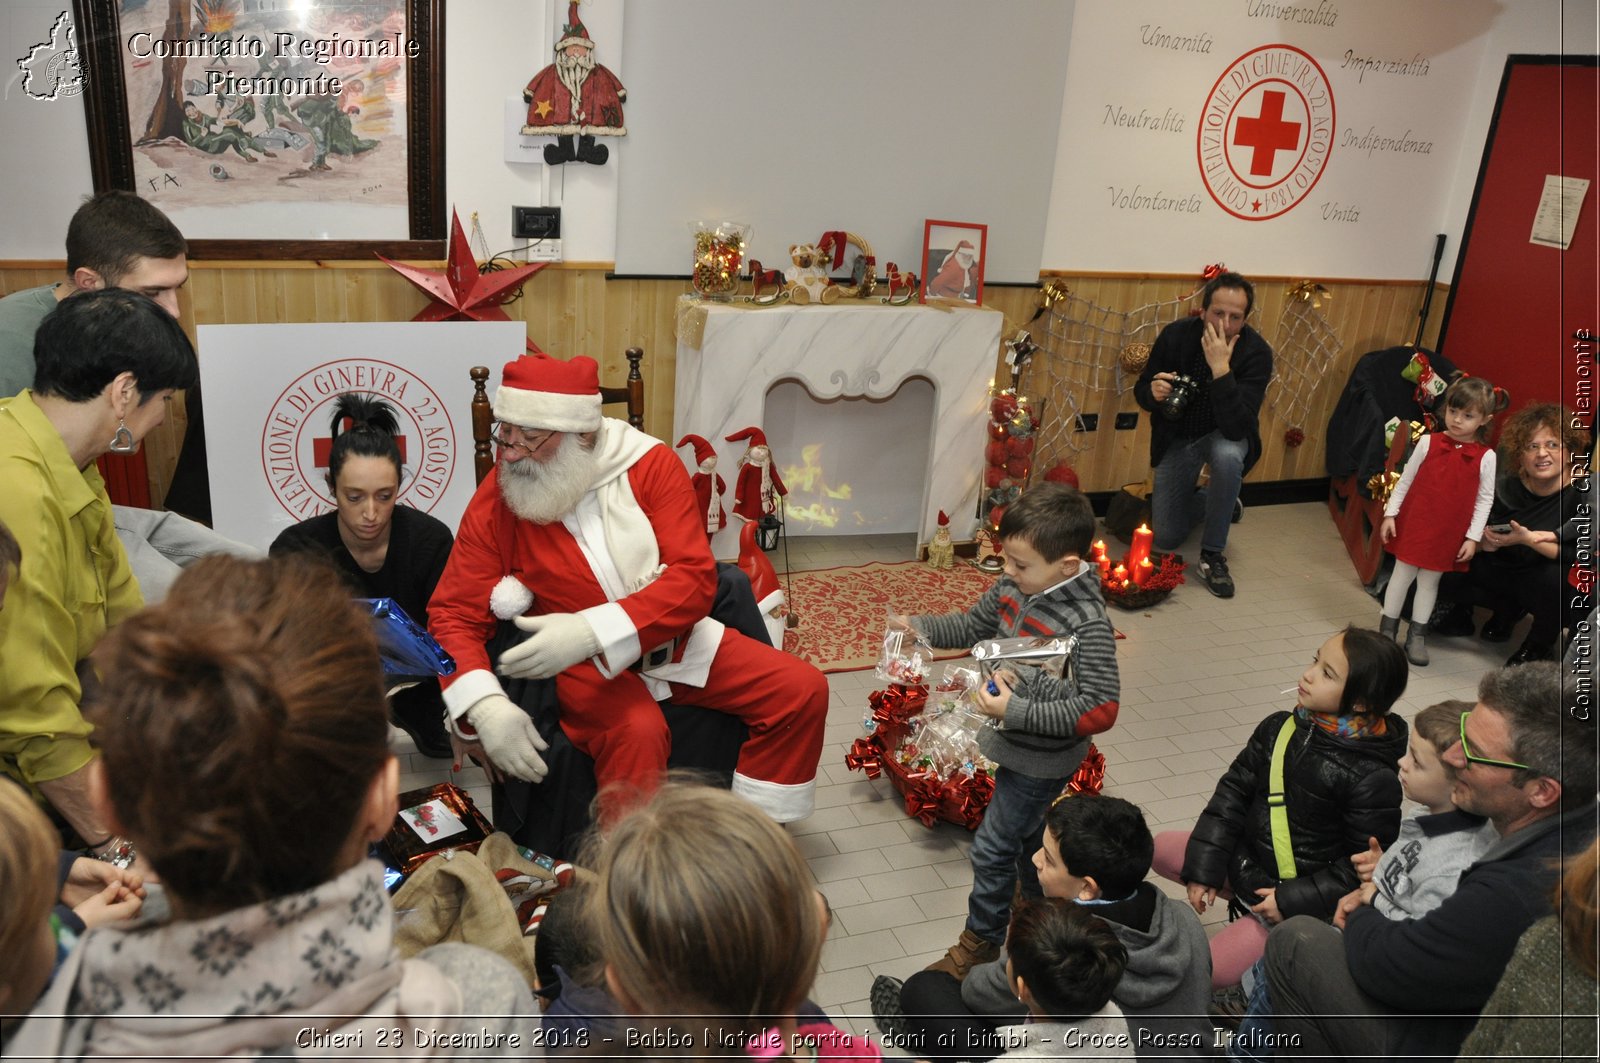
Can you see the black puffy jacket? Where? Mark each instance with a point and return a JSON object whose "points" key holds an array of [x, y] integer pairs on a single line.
{"points": [[1340, 792]]}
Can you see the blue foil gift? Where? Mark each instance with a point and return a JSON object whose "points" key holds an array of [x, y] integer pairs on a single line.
{"points": [[406, 649]]}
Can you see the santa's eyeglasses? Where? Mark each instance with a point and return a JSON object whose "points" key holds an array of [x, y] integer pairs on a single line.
{"points": [[507, 436]]}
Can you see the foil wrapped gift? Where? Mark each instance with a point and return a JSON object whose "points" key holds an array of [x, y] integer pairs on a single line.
{"points": [[405, 648], [432, 820], [1052, 655]]}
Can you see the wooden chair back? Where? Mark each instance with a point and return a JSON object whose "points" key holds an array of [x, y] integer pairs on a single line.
{"points": [[630, 393]]}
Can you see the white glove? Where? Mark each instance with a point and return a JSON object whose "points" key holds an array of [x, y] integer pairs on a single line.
{"points": [[556, 642], [509, 737]]}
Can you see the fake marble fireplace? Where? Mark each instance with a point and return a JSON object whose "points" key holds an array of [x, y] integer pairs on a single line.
{"points": [[728, 357]]}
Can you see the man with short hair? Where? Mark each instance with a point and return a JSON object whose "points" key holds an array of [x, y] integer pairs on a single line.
{"points": [[118, 240], [589, 536], [1220, 368], [1414, 987]]}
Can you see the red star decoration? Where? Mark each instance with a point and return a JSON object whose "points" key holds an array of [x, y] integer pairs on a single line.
{"points": [[459, 292], [1256, 206]]}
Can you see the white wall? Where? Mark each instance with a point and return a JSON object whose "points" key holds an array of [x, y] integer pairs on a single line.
{"points": [[494, 46]]}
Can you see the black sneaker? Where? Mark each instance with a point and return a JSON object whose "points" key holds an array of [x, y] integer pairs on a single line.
{"points": [[886, 1013], [1452, 619], [1498, 627], [1214, 574]]}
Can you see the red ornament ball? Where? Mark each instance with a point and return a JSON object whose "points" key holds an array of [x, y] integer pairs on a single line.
{"points": [[1294, 437], [995, 453], [1003, 408], [997, 430], [1018, 468], [1062, 473], [1019, 446], [994, 476]]}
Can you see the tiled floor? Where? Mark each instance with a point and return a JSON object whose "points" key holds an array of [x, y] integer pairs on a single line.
{"points": [[1197, 674]]}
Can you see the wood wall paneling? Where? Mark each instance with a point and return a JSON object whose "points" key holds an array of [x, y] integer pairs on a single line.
{"points": [[573, 309]]}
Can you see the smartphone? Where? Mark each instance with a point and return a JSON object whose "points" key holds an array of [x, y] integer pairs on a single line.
{"points": [[1499, 529]]}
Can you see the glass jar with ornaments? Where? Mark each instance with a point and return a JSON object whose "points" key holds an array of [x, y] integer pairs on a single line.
{"points": [[719, 248]]}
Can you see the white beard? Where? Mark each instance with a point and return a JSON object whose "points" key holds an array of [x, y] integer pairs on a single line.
{"points": [[573, 70], [545, 493]]}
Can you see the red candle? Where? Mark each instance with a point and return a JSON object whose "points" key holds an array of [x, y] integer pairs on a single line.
{"points": [[1100, 550], [1143, 572], [1105, 567], [1141, 546], [1120, 574]]}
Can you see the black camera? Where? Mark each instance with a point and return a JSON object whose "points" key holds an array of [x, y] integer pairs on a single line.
{"points": [[1183, 389]]}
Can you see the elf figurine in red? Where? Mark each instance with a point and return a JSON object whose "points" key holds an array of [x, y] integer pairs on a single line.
{"points": [[756, 491], [708, 486]]}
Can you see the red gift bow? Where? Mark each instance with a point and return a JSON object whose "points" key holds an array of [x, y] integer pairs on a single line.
{"points": [[1091, 774], [922, 797], [1213, 271], [866, 754], [897, 704], [972, 796]]}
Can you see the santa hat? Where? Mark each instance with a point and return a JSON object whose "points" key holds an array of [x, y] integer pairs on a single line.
{"points": [[702, 447], [753, 562], [574, 32], [944, 519], [541, 392], [756, 436]]}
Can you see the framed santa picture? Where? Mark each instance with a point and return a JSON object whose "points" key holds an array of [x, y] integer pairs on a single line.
{"points": [[953, 253]]}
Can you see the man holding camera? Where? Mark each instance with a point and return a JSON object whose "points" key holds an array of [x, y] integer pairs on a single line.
{"points": [[1203, 386]]}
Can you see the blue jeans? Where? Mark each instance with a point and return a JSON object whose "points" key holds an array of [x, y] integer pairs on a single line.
{"points": [[1253, 1043], [1173, 502], [1000, 853]]}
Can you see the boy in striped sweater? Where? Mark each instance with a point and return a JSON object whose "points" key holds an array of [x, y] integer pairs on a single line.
{"points": [[1043, 724]]}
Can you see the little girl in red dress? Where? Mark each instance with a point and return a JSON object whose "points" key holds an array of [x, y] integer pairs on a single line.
{"points": [[1435, 515]]}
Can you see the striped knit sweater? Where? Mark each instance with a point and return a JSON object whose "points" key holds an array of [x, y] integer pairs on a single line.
{"points": [[1048, 721]]}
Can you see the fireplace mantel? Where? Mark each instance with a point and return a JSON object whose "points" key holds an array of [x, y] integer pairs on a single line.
{"points": [[730, 355]]}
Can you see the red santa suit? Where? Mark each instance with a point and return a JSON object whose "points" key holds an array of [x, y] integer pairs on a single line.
{"points": [[632, 560], [708, 486], [955, 278], [758, 487]]}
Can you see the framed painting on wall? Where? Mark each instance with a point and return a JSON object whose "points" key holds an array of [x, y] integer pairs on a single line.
{"points": [[953, 253], [266, 129]]}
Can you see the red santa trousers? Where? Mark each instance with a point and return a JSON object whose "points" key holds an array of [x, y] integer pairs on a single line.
{"points": [[781, 699]]}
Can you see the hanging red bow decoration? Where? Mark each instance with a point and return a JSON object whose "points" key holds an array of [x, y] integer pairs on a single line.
{"points": [[1091, 774], [1213, 271]]}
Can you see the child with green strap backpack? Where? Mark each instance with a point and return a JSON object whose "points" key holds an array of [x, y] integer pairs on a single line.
{"points": [[1311, 786]]}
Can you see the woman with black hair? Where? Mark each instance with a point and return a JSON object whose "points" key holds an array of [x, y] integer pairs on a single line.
{"points": [[383, 550]]}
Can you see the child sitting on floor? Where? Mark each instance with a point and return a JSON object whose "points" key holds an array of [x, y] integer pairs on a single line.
{"points": [[1275, 838], [1096, 853], [1064, 965], [1043, 724]]}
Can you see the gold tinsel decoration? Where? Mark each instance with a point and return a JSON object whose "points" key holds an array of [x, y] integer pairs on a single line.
{"points": [[1311, 292], [1380, 485], [1134, 357]]}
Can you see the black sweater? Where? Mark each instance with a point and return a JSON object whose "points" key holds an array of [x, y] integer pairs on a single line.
{"points": [[1339, 791], [1235, 397]]}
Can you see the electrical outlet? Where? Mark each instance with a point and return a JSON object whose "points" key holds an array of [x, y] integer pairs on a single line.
{"points": [[1088, 422], [1125, 421], [536, 223]]}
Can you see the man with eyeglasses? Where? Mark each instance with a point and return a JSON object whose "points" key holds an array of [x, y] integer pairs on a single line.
{"points": [[588, 535], [1414, 987]]}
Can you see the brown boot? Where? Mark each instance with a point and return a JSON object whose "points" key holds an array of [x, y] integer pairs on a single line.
{"points": [[969, 951]]}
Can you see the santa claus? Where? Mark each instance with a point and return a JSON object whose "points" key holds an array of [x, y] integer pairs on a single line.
{"points": [[588, 535], [708, 486], [957, 277], [575, 97], [758, 487]]}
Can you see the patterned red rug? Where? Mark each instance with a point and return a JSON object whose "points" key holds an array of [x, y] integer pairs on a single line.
{"points": [[842, 610]]}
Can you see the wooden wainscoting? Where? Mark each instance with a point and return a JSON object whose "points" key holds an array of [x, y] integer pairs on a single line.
{"points": [[571, 308]]}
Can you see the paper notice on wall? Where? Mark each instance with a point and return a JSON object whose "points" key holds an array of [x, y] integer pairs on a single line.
{"points": [[1557, 217]]}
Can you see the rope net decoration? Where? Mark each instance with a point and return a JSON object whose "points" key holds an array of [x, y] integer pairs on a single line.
{"points": [[1304, 352]]}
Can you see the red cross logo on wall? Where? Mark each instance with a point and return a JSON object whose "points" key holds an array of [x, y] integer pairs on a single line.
{"points": [[1267, 134]]}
